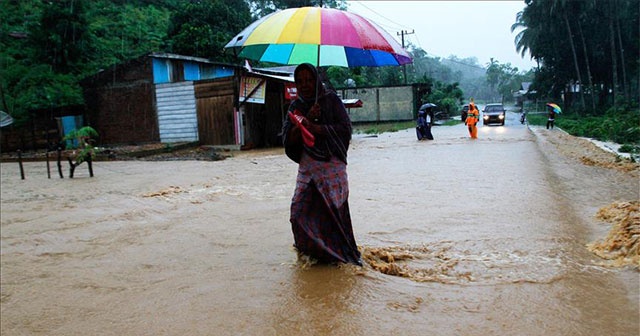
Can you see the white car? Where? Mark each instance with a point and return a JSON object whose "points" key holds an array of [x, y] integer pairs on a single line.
{"points": [[493, 114]]}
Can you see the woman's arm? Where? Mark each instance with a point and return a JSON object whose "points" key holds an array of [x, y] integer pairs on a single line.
{"points": [[339, 120], [290, 133]]}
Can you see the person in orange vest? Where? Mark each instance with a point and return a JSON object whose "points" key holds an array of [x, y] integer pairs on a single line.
{"points": [[472, 120]]}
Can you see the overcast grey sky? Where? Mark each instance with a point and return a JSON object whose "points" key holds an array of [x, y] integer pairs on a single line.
{"points": [[480, 29]]}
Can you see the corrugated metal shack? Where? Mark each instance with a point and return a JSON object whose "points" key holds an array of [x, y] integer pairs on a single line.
{"points": [[171, 98], [168, 98], [163, 98]]}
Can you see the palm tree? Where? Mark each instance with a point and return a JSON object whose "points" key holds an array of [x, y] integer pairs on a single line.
{"points": [[586, 56], [620, 45], [561, 6], [526, 39], [574, 39], [614, 57]]}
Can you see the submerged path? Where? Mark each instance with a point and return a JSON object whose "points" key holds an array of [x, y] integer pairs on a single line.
{"points": [[462, 237]]}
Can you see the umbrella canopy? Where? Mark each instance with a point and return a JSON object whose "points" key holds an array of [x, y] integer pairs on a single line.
{"points": [[555, 107], [306, 34], [5, 119], [427, 105]]}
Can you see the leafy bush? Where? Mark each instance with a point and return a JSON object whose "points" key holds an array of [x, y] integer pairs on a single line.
{"points": [[627, 148], [537, 119], [615, 125], [82, 139]]}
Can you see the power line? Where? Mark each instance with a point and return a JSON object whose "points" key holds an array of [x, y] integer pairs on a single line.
{"points": [[404, 32], [382, 16], [404, 66]]}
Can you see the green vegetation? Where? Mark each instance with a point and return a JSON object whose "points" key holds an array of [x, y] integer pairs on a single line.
{"points": [[631, 149], [447, 96], [590, 43], [47, 47], [538, 119], [616, 126], [82, 140]]}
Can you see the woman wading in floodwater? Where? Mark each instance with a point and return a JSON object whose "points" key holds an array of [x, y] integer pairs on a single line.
{"points": [[316, 135]]}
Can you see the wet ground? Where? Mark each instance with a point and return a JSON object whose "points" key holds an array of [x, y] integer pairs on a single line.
{"points": [[461, 237]]}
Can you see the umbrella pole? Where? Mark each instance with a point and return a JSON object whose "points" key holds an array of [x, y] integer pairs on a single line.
{"points": [[318, 81]]}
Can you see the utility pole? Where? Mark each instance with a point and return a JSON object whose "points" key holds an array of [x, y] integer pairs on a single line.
{"points": [[404, 66]]}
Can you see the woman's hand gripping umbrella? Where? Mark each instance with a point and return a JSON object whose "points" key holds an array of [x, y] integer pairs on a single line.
{"points": [[299, 120]]}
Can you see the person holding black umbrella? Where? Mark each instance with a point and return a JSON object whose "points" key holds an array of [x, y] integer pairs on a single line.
{"points": [[426, 116]]}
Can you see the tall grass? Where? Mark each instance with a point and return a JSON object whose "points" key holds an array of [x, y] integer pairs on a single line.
{"points": [[622, 127]]}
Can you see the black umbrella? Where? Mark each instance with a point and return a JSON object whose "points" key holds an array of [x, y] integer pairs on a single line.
{"points": [[427, 105]]}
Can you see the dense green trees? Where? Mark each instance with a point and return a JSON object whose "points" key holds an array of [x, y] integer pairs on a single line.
{"points": [[593, 43], [261, 8], [203, 28], [503, 80], [46, 47], [42, 47]]}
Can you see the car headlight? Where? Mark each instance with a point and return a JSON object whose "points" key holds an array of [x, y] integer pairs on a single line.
{"points": [[501, 116], [485, 117]]}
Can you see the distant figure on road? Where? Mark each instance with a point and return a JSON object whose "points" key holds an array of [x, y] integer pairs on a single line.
{"points": [[425, 121], [472, 119], [316, 135], [552, 117]]}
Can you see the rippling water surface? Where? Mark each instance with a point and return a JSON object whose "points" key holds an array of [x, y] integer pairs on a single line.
{"points": [[460, 237]]}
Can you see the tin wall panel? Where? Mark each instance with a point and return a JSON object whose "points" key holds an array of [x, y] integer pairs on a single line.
{"points": [[177, 117]]}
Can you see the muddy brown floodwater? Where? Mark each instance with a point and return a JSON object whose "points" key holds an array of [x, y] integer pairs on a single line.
{"points": [[460, 237]]}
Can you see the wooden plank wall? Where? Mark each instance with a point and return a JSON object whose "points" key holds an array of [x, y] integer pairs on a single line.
{"points": [[215, 104], [263, 122]]}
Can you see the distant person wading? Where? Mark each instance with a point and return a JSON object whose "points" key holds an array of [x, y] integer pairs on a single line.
{"points": [[472, 119]]}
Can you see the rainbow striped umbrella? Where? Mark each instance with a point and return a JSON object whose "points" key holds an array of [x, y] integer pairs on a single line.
{"points": [[306, 34], [555, 107]]}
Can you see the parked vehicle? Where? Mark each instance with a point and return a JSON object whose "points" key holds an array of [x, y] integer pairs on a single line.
{"points": [[493, 113], [442, 115], [464, 112]]}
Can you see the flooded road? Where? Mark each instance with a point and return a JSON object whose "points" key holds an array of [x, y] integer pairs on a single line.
{"points": [[461, 237]]}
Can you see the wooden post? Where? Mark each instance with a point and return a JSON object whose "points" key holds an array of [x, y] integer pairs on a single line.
{"points": [[72, 167], [20, 163], [59, 163], [46, 154], [90, 164]]}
